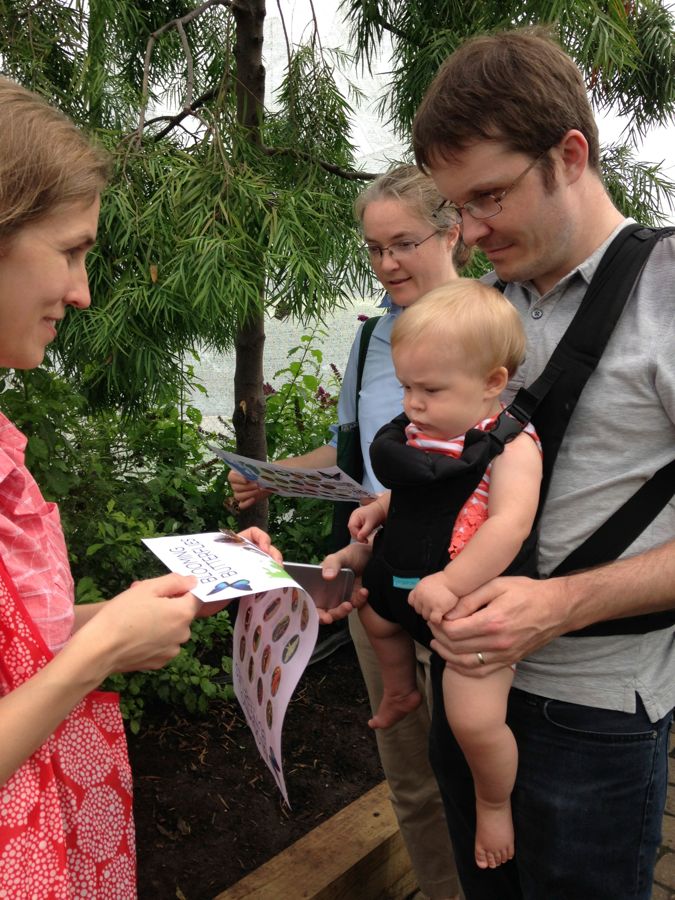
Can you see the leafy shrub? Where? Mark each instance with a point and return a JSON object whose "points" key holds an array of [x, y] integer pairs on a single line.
{"points": [[117, 481], [298, 419]]}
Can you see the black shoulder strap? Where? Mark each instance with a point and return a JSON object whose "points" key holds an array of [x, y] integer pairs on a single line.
{"points": [[350, 445], [580, 348], [615, 536], [561, 384]]}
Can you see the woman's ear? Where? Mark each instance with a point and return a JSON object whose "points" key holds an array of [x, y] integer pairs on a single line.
{"points": [[452, 236], [496, 381]]}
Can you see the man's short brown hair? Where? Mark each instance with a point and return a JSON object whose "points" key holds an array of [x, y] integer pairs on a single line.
{"points": [[518, 87]]}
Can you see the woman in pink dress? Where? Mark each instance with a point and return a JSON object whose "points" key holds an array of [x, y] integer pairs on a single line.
{"points": [[66, 826]]}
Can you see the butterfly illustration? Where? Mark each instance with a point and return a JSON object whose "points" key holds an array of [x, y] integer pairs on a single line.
{"points": [[242, 584]]}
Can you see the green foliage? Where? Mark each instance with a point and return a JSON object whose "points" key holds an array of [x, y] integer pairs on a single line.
{"points": [[298, 419], [625, 52], [636, 187], [301, 410], [205, 224], [189, 681], [117, 481]]}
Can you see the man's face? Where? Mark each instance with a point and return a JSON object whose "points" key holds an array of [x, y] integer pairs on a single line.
{"points": [[529, 240]]}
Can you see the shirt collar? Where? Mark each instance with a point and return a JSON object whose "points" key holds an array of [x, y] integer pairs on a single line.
{"points": [[585, 270]]}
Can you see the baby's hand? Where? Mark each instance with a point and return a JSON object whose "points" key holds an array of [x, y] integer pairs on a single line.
{"points": [[364, 520], [432, 598], [358, 525]]}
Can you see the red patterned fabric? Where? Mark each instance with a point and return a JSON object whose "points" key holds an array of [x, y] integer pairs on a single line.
{"points": [[32, 543], [66, 826]]}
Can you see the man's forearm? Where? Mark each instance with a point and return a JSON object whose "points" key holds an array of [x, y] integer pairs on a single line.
{"points": [[628, 587]]}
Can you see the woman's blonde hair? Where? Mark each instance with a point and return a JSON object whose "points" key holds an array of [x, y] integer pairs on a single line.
{"points": [[45, 160], [468, 314], [418, 193]]}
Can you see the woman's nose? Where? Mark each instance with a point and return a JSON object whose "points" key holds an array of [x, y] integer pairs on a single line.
{"points": [[78, 294]]}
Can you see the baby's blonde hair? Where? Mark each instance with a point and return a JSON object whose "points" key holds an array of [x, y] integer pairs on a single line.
{"points": [[468, 314]]}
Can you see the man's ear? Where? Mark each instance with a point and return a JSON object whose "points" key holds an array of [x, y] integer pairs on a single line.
{"points": [[573, 153], [496, 381]]}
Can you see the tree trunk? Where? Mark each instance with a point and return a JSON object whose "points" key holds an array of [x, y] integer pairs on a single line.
{"points": [[249, 413]]}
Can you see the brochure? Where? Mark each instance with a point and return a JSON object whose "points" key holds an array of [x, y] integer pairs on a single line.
{"points": [[274, 633], [327, 483]]}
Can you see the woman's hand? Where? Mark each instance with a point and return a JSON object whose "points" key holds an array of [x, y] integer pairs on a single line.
{"points": [[262, 540], [246, 493], [143, 627]]}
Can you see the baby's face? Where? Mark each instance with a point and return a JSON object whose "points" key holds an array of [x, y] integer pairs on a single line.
{"points": [[442, 394]]}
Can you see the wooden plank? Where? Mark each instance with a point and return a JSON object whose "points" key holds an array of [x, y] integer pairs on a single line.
{"points": [[357, 854]]}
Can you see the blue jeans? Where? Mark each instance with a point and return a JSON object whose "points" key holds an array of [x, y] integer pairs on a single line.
{"points": [[587, 805]]}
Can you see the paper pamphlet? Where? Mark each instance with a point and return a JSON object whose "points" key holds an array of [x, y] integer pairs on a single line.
{"points": [[275, 629], [327, 483]]}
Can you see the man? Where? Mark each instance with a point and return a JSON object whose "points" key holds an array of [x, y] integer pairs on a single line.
{"points": [[508, 136]]}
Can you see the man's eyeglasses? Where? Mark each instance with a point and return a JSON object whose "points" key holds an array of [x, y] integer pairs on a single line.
{"points": [[397, 250], [484, 206]]}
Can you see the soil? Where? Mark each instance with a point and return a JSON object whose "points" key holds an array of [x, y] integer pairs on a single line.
{"points": [[206, 807]]}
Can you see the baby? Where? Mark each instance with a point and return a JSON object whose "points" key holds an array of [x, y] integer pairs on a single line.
{"points": [[454, 520]]}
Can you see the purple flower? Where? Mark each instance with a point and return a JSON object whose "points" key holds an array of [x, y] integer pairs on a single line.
{"points": [[362, 317]]}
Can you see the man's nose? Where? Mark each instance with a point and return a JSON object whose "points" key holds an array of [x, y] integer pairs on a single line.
{"points": [[473, 229]]}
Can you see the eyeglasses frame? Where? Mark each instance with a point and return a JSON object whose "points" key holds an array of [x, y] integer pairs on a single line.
{"points": [[377, 253], [447, 205]]}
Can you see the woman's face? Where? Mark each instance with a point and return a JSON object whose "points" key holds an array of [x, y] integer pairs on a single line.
{"points": [[42, 273], [407, 276]]}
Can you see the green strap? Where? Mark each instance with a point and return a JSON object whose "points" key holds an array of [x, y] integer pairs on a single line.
{"points": [[366, 333]]}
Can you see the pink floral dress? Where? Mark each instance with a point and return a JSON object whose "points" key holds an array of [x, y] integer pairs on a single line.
{"points": [[66, 826]]}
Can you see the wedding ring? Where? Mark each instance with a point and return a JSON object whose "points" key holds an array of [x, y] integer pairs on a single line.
{"points": [[481, 658]]}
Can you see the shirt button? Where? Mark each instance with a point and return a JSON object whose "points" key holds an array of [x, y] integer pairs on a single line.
{"points": [[537, 313]]}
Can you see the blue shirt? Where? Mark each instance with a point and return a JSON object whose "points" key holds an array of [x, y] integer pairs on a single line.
{"points": [[381, 397]]}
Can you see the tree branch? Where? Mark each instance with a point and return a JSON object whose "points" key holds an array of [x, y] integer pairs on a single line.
{"points": [[172, 121], [189, 78], [190, 107], [179, 25], [347, 174]]}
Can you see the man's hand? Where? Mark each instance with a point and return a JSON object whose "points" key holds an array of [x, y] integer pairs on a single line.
{"points": [[354, 557], [503, 620]]}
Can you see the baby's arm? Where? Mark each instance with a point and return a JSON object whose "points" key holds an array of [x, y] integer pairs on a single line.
{"points": [[512, 505], [364, 520]]}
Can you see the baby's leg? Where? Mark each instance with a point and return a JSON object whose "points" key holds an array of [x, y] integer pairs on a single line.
{"points": [[396, 655], [476, 711]]}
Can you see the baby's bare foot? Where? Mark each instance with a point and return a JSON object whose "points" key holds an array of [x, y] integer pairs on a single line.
{"points": [[494, 834], [393, 707]]}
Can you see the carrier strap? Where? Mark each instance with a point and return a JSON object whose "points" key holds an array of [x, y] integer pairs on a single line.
{"points": [[550, 400]]}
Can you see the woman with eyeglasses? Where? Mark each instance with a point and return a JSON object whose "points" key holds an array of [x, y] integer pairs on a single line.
{"points": [[413, 247]]}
